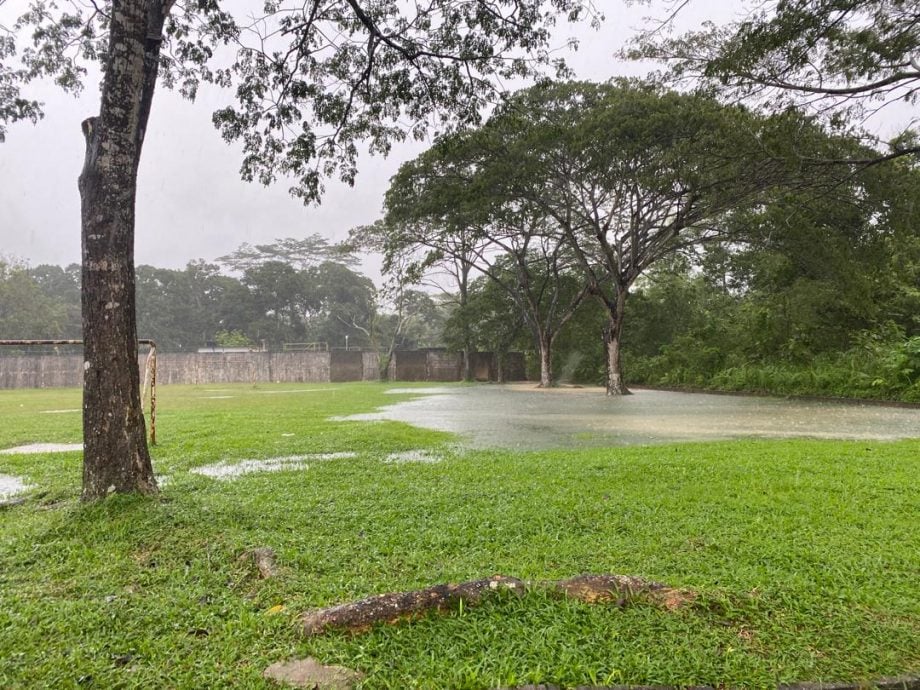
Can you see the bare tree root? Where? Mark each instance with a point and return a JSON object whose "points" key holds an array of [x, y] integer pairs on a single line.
{"points": [[395, 606]]}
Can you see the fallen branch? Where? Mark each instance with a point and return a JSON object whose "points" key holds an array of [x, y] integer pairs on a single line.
{"points": [[395, 606]]}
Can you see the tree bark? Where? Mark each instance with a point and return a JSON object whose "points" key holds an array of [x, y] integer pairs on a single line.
{"points": [[396, 606], [500, 367], [546, 363], [463, 285], [115, 455], [616, 385]]}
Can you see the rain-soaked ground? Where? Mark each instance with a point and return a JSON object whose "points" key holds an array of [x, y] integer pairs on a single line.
{"points": [[523, 417], [10, 486]]}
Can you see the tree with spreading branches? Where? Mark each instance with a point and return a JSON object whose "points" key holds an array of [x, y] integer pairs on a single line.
{"points": [[625, 174], [843, 59], [310, 81]]}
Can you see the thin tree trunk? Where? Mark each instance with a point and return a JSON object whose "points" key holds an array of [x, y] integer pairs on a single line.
{"points": [[463, 285], [546, 364], [115, 455], [616, 385]]}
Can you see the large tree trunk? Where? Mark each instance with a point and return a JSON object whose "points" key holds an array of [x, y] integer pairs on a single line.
{"points": [[115, 455], [616, 385]]}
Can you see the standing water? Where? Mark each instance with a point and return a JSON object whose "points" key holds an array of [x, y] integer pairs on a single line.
{"points": [[521, 416]]}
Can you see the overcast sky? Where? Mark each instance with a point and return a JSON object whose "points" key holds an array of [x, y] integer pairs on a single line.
{"points": [[191, 201]]}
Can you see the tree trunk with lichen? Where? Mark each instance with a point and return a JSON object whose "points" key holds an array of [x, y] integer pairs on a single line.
{"points": [[613, 331], [115, 455], [546, 361]]}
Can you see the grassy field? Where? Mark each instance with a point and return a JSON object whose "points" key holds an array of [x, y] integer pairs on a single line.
{"points": [[806, 554]]}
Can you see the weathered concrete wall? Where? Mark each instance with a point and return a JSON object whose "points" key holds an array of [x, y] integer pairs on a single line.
{"points": [[300, 367], [34, 371], [50, 371], [444, 366], [515, 368], [216, 367], [482, 365], [346, 366], [371, 366], [409, 365]]}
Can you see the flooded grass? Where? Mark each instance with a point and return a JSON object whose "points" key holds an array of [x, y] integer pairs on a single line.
{"points": [[422, 456], [804, 553], [11, 486], [38, 448], [527, 418], [235, 469]]}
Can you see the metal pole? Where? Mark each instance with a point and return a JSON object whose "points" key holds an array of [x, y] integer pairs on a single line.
{"points": [[153, 394]]}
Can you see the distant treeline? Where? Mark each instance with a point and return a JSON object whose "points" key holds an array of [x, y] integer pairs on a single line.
{"points": [[272, 302], [827, 303]]}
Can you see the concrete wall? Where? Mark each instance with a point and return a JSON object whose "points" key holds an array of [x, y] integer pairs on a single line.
{"points": [[371, 366], [51, 371], [409, 365], [36, 371], [346, 366], [444, 366]]}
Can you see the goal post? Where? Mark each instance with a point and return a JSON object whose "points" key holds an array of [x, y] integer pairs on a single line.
{"points": [[150, 372]]}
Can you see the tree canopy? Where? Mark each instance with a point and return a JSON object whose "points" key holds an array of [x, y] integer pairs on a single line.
{"points": [[845, 59]]}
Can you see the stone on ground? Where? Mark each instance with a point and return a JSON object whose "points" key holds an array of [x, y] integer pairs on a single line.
{"points": [[311, 674]]}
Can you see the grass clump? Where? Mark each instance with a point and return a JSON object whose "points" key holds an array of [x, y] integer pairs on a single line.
{"points": [[805, 554]]}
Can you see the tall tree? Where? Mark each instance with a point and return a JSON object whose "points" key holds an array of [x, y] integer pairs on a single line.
{"points": [[312, 79], [299, 253], [442, 206], [628, 174]]}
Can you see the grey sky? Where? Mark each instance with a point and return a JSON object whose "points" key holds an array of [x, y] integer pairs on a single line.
{"points": [[191, 202]]}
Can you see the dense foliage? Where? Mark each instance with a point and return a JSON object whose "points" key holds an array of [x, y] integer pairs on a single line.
{"points": [[270, 304]]}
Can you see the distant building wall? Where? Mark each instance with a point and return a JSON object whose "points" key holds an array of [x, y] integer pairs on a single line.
{"points": [[444, 366], [409, 365], [371, 365], [56, 371], [345, 365], [482, 365], [37, 371]]}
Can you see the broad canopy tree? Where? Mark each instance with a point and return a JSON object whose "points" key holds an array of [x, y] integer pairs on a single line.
{"points": [[618, 175], [311, 80]]}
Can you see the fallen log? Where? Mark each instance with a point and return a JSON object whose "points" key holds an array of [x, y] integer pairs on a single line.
{"points": [[395, 606]]}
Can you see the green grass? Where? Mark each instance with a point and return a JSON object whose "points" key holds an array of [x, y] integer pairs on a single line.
{"points": [[806, 554]]}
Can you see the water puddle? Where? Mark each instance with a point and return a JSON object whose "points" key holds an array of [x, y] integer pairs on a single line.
{"points": [[33, 448], [425, 457], [11, 486], [216, 397], [524, 417], [232, 470], [296, 390]]}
